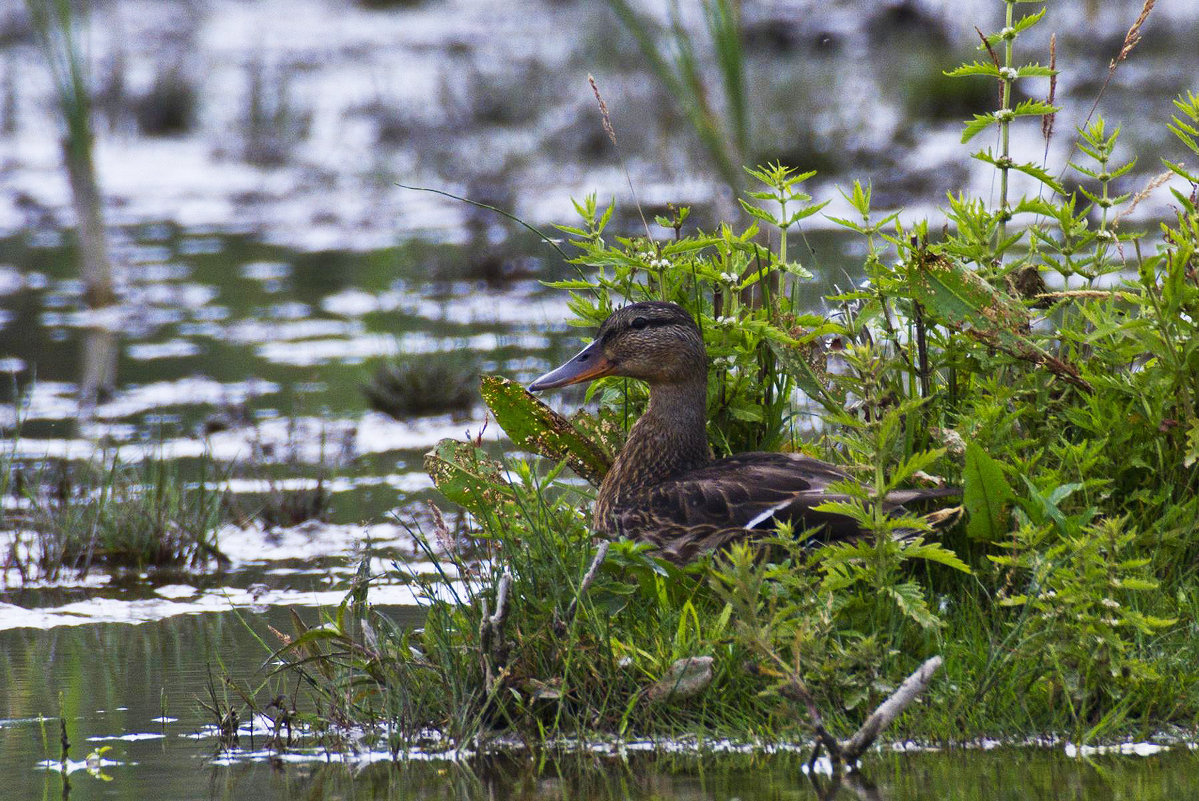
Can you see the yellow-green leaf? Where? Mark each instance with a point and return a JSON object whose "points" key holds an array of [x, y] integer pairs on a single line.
{"points": [[536, 427]]}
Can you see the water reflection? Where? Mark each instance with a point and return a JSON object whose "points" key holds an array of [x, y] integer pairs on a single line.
{"points": [[136, 690], [99, 348]]}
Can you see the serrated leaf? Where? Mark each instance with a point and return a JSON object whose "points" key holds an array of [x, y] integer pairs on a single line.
{"points": [[761, 214], [984, 68], [1137, 584], [808, 378], [910, 599], [1026, 22], [1035, 71], [797, 269], [805, 212], [959, 299], [916, 462], [935, 552], [976, 126], [985, 493], [1192, 452], [1028, 168], [536, 427], [1034, 108]]}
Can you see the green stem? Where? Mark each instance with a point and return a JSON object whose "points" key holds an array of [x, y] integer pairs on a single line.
{"points": [[1004, 123]]}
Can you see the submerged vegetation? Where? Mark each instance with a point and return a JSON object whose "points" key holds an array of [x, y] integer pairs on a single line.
{"points": [[1030, 350]]}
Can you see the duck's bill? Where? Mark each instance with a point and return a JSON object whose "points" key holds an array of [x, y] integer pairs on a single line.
{"points": [[589, 363]]}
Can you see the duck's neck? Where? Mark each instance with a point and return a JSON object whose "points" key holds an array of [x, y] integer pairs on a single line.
{"points": [[669, 439]]}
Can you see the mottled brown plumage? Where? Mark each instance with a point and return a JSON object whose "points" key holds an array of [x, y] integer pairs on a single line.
{"points": [[664, 488]]}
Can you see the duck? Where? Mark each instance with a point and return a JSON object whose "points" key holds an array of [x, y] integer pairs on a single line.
{"points": [[665, 488]]}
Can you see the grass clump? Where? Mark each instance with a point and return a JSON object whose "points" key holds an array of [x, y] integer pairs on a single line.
{"points": [[1067, 415], [168, 107], [114, 514], [413, 387]]}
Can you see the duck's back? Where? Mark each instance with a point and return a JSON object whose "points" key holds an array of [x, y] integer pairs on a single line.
{"points": [[727, 499]]}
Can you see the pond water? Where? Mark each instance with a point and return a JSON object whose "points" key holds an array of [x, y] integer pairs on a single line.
{"points": [[137, 690]]}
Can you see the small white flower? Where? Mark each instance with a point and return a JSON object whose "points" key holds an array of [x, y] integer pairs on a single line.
{"points": [[729, 278], [1110, 603], [1008, 74]]}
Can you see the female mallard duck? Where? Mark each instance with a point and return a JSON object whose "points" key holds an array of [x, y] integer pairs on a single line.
{"points": [[664, 488]]}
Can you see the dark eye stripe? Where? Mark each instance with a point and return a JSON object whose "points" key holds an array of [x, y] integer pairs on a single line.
{"points": [[655, 322]]}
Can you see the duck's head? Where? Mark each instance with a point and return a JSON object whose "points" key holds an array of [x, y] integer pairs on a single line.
{"points": [[654, 341]]}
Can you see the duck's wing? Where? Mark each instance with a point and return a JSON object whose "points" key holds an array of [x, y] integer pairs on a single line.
{"points": [[723, 501], [728, 499]]}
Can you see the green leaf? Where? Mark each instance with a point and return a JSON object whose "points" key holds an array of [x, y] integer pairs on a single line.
{"points": [[1030, 169], [536, 427], [1035, 71], [909, 598], [467, 476], [797, 269], [807, 377], [1192, 451], [934, 552], [984, 493], [1034, 108], [985, 68], [976, 126], [959, 299], [1027, 21]]}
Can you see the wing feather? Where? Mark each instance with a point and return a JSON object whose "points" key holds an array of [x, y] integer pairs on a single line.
{"points": [[729, 498]]}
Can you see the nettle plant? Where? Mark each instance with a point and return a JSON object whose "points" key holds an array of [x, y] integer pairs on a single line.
{"points": [[1073, 408], [742, 294]]}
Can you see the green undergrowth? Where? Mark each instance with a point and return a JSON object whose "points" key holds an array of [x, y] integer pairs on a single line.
{"points": [[1028, 348]]}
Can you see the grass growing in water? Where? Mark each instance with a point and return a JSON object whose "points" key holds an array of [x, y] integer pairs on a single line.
{"points": [[114, 514], [1068, 417]]}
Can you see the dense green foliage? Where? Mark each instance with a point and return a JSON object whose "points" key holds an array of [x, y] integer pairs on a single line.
{"points": [[1032, 352]]}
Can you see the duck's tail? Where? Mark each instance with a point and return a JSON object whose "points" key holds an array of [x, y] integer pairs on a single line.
{"points": [[905, 496]]}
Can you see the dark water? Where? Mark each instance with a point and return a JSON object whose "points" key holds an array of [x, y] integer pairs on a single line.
{"points": [[137, 689]]}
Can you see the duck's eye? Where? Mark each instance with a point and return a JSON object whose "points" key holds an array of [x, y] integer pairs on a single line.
{"points": [[638, 323]]}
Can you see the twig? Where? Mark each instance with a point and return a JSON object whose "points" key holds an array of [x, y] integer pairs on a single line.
{"points": [[797, 690], [489, 207], [493, 647], [890, 709], [572, 609]]}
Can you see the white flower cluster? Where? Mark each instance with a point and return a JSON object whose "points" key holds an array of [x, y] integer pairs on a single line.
{"points": [[651, 259], [724, 362], [731, 279]]}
